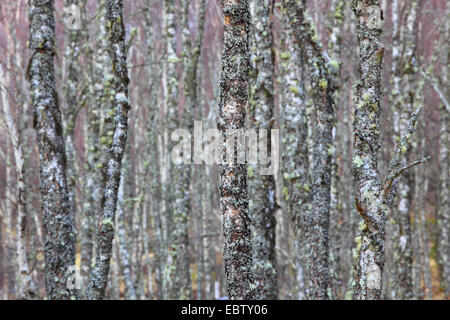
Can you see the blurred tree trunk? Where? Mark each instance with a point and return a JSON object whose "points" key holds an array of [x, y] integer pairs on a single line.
{"points": [[72, 89], [262, 186], [335, 27], [443, 246], [177, 280], [323, 75], [25, 284], [404, 68], [295, 162]]}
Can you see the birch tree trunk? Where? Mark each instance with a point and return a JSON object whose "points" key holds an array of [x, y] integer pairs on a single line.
{"points": [[335, 27], [105, 228], [404, 91], [322, 88], [262, 187], [295, 163], [233, 176], [25, 284], [55, 202], [177, 276], [373, 196], [443, 246]]}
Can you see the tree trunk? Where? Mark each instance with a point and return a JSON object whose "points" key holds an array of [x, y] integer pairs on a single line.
{"points": [[55, 202], [261, 186], [105, 228], [233, 176], [322, 88]]}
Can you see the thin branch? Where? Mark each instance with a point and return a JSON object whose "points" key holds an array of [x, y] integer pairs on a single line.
{"points": [[395, 167], [436, 88]]}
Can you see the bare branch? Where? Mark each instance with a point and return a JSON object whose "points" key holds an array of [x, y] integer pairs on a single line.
{"points": [[395, 167]]}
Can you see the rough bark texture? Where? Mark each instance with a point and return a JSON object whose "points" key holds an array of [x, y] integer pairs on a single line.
{"points": [[370, 245], [58, 219], [105, 228], [373, 196], [322, 88], [233, 176], [262, 187]]}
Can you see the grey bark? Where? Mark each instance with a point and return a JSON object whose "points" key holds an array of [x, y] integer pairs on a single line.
{"points": [[105, 228], [177, 280], [58, 218], [404, 92], [25, 285], [262, 187], [373, 196], [322, 87], [233, 177], [335, 27], [295, 163]]}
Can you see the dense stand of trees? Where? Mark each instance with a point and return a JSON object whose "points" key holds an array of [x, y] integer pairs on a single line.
{"points": [[106, 187]]}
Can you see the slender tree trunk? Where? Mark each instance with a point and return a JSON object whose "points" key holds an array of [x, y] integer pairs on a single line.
{"points": [[124, 255], [105, 231], [233, 176], [25, 284], [404, 70], [322, 88], [443, 246], [336, 24], [177, 275], [295, 163], [100, 114], [261, 186], [56, 209], [71, 105], [373, 196]]}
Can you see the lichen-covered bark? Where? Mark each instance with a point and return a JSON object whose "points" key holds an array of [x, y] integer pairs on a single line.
{"points": [[322, 88], [124, 255], [295, 163], [262, 187], [25, 285], [373, 196], [100, 114], [335, 27], [370, 245], [404, 91], [233, 176], [105, 228], [58, 218]]}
